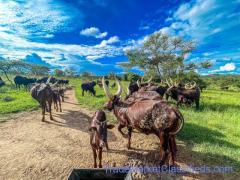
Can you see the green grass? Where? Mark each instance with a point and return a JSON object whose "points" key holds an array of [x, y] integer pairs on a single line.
{"points": [[211, 134], [13, 100]]}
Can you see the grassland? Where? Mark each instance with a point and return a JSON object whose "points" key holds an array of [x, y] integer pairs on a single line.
{"points": [[211, 135], [13, 100]]}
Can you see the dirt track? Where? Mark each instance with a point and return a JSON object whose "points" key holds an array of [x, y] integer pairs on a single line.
{"points": [[31, 149]]}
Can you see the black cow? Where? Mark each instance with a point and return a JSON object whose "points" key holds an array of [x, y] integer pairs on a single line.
{"points": [[20, 80], [63, 82], [133, 87], [183, 95], [89, 86], [44, 80], [43, 93]]}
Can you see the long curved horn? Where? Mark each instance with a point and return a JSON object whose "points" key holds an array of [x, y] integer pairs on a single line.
{"points": [[48, 80], [168, 83], [119, 92], [128, 92], [150, 79], [138, 83], [142, 79], [106, 90], [194, 84]]}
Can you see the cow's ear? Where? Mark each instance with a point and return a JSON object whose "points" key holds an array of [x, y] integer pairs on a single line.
{"points": [[92, 128], [110, 126]]}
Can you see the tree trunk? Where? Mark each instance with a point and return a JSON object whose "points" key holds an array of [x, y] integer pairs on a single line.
{"points": [[7, 77]]}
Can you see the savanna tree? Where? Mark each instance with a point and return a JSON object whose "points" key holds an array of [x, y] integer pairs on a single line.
{"points": [[163, 56]]}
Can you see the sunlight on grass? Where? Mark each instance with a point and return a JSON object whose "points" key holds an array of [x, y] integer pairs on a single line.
{"points": [[212, 132]]}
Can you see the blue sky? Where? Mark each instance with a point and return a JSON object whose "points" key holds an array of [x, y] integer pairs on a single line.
{"points": [[93, 35]]}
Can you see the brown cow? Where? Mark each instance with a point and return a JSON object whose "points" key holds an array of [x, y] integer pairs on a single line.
{"points": [[98, 137], [147, 116]]}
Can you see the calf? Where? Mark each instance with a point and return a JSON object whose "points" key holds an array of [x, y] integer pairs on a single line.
{"points": [[98, 136]]}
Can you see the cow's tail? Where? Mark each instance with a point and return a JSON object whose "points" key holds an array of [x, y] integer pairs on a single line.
{"points": [[180, 123]]}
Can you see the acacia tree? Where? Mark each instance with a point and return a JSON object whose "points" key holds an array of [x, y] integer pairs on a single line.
{"points": [[162, 55], [20, 67]]}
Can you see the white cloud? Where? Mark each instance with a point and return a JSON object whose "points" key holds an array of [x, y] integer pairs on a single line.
{"points": [[36, 18], [93, 31], [228, 67], [111, 40]]}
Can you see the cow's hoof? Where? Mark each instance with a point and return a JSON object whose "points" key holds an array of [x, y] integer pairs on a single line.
{"points": [[51, 118], [43, 120], [100, 166]]}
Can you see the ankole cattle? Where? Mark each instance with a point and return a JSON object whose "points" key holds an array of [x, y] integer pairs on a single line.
{"points": [[149, 117], [89, 87], [188, 94], [146, 86], [20, 80], [43, 93], [98, 136]]}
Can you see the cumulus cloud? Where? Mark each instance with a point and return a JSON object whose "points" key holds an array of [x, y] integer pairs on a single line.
{"points": [[94, 32], [228, 67], [111, 40]]}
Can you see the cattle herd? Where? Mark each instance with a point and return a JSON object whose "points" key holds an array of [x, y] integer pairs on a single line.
{"points": [[144, 108]]}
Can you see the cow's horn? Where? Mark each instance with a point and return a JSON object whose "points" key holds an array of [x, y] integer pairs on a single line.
{"points": [[128, 92], [119, 92], [194, 84], [150, 79], [106, 90], [142, 79], [138, 83], [48, 80]]}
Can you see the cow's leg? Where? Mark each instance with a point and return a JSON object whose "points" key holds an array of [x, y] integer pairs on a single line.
{"points": [[172, 147], [164, 141], [197, 103], [94, 157], [50, 109], [120, 126], [82, 92], [60, 104], [43, 106], [100, 157], [129, 137]]}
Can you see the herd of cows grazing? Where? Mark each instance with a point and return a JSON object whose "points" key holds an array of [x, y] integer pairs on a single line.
{"points": [[143, 109]]}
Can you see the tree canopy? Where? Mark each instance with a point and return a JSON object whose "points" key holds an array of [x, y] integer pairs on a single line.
{"points": [[162, 55]]}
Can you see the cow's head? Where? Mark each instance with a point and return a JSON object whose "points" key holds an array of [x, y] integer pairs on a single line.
{"points": [[113, 99], [100, 126]]}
